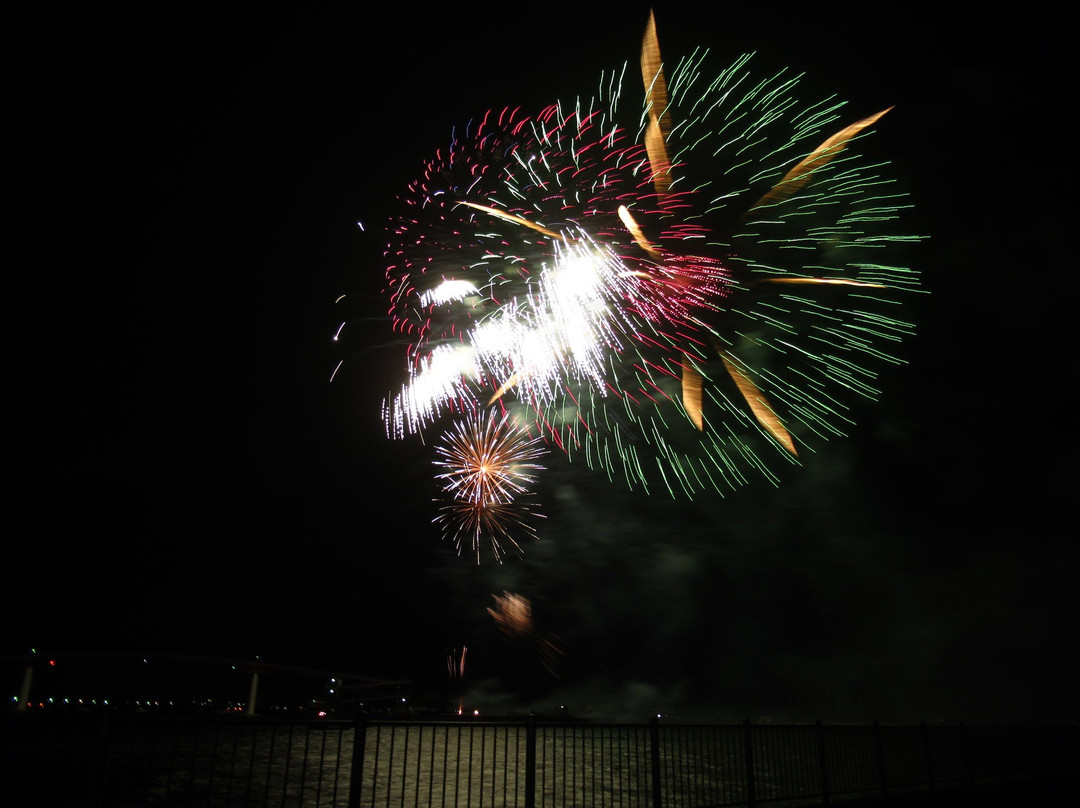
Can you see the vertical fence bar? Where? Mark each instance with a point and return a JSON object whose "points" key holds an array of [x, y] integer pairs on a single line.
{"points": [[337, 763], [654, 753], [965, 735], [879, 746], [307, 757], [356, 776], [530, 762], [288, 761], [748, 761], [405, 763], [823, 765], [927, 755], [430, 767], [232, 764], [419, 765]]}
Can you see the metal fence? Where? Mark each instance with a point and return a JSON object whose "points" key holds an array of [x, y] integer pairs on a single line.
{"points": [[117, 760]]}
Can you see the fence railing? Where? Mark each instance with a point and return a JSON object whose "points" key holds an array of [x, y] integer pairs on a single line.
{"points": [[116, 760]]}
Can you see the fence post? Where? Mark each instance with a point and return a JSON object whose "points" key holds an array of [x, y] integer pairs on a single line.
{"points": [[966, 739], [823, 766], [751, 792], [879, 744], [654, 756], [929, 756], [356, 776], [530, 761]]}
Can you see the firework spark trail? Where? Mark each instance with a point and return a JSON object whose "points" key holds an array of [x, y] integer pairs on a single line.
{"points": [[455, 667], [455, 662], [684, 297]]}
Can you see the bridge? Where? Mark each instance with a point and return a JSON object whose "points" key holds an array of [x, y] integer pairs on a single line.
{"points": [[112, 670]]}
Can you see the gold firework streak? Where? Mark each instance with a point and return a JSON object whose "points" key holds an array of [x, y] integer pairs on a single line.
{"points": [[510, 217], [691, 394], [759, 405], [656, 99], [799, 176], [508, 384], [833, 281], [635, 230]]}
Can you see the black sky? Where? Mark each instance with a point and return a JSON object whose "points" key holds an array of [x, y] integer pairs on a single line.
{"points": [[188, 187]]}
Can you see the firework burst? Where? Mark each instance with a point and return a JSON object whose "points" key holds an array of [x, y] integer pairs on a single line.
{"points": [[487, 465], [683, 297]]}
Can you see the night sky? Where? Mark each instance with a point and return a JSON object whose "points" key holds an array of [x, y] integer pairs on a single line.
{"points": [[188, 479]]}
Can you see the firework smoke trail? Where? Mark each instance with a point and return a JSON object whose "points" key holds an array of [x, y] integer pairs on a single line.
{"points": [[487, 465], [512, 613], [684, 298]]}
